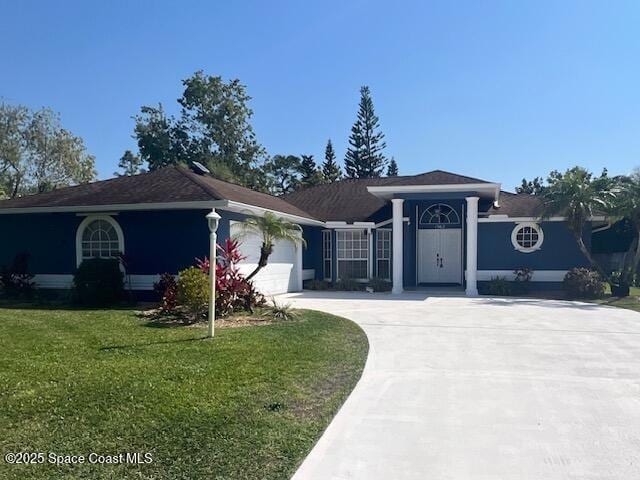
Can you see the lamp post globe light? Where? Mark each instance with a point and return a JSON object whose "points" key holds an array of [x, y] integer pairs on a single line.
{"points": [[213, 219]]}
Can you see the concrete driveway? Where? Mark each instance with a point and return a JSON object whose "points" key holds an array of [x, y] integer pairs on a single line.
{"points": [[460, 388]]}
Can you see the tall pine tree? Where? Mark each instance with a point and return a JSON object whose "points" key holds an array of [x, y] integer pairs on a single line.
{"points": [[130, 164], [364, 158], [330, 168], [310, 174], [392, 169]]}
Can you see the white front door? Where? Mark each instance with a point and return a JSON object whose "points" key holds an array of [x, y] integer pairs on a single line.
{"points": [[440, 255]]}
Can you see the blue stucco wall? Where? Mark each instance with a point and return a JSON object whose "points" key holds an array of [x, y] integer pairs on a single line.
{"points": [[312, 253], [559, 250], [164, 241], [155, 241], [49, 240]]}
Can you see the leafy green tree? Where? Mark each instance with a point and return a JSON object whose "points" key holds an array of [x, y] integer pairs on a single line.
{"points": [[392, 169], [213, 128], [578, 196], [271, 229], [364, 157], [532, 187], [330, 168], [161, 139], [38, 155], [310, 174], [130, 164], [219, 110], [283, 172], [13, 155]]}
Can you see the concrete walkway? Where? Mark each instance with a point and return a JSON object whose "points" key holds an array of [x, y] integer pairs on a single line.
{"points": [[460, 388]]}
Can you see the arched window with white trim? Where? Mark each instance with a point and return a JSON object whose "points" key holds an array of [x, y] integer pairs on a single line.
{"points": [[439, 214], [99, 236]]}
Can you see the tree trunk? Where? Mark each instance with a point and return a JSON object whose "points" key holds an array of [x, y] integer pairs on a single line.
{"points": [[636, 256], [265, 252], [16, 187], [630, 262], [585, 251]]}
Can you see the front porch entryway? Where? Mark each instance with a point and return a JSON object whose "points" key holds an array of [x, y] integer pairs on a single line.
{"points": [[440, 255]]}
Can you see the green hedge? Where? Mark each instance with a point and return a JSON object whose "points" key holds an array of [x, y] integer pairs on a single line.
{"points": [[98, 282]]}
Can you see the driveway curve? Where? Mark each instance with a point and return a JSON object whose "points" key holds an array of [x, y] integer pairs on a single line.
{"points": [[484, 388]]}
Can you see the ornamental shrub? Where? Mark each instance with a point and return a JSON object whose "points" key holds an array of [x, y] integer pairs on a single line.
{"points": [[281, 311], [98, 282], [167, 289], [193, 292], [499, 286], [15, 280], [348, 285], [583, 283], [233, 291], [316, 285], [522, 279], [380, 285]]}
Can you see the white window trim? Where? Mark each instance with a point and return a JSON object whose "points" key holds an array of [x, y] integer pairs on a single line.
{"points": [[423, 220], [388, 259], [535, 247], [328, 233], [85, 223], [367, 259]]}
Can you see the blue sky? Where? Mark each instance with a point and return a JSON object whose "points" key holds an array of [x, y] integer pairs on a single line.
{"points": [[497, 90]]}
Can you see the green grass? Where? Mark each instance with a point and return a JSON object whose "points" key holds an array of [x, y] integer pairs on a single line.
{"points": [[249, 404], [632, 302]]}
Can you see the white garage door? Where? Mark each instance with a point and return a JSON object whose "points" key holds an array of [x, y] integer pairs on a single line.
{"points": [[280, 274]]}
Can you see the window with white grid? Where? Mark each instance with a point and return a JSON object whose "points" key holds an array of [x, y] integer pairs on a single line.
{"points": [[383, 254], [527, 237], [326, 254], [353, 254], [100, 240]]}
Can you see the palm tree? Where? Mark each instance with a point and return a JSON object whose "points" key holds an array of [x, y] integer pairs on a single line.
{"points": [[578, 196], [627, 206], [272, 229]]}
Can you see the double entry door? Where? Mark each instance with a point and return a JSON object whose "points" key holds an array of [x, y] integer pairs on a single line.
{"points": [[440, 255]]}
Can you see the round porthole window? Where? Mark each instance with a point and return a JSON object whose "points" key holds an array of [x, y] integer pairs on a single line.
{"points": [[527, 237]]}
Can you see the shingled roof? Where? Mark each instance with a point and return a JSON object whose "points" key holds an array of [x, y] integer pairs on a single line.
{"points": [[167, 185], [348, 200], [517, 205]]}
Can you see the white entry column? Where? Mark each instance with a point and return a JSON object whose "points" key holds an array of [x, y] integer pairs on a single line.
{"points": [[397, 245], [472, 246], [298, 265]]}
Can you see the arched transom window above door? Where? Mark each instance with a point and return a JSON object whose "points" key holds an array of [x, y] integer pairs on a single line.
{"points": [[439, 214], [98, 236]]}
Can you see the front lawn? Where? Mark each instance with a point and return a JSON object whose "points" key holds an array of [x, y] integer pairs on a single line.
{"points": [[250, 404], [632, 302]]}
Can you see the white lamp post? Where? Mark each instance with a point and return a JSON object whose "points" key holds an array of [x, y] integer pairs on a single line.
{"points": [[212, 219]]}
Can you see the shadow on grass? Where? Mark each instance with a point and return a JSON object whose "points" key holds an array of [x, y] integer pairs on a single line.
{"points": [[60, 305], [150, 344], [159, 319]]}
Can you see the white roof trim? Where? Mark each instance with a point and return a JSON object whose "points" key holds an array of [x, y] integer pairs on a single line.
{"points": [[387, 191], [119, 207], [239, 207], [352, 226], [112, 209], [387, 222], [505, 218]]}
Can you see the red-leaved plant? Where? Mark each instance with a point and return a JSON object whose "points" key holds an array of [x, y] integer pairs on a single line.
{"points": [[167, 288], [233, 290]]}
